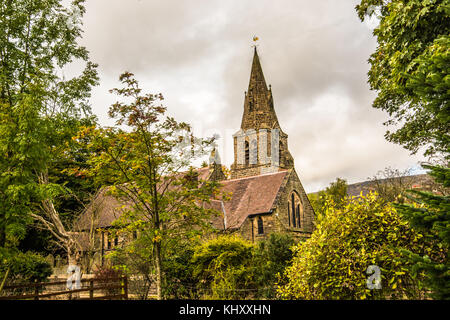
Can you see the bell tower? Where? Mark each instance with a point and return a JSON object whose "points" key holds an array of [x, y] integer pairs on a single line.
{"points": [[260, 146]]}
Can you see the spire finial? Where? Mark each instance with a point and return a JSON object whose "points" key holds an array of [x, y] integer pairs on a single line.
{"points": [[255, 44]]}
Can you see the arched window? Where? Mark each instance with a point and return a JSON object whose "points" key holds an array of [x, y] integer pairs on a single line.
{"points": [[260, 226], [295, 210], [247, 153], [294, 224]]}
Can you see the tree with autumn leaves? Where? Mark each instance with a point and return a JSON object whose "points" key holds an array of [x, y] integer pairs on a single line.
{"points": [[145, 161]]}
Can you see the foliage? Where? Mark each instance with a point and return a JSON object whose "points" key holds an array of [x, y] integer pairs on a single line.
{"points": [[223, 268], [179, 269], [272, 256], [429, 213], [135, 259], [337, 191], [409, 70], [332, 263], [106, 272], [39, 108], [23, 267]]}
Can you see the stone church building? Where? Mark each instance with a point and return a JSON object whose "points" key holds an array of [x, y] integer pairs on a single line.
{"points": [[266, 193]]}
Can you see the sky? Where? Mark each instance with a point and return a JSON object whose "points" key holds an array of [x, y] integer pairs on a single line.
{"points": [[198, 54]]}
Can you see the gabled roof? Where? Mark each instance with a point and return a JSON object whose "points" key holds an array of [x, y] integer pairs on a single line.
{"points": [[250, 195], [107, 209]]}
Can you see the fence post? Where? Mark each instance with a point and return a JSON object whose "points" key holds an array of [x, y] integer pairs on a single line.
{"points": [[125, 287], [36, 290], [91, 289]]}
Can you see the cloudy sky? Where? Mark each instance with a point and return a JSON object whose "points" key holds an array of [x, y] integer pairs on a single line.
{"points": [[198, 54]]}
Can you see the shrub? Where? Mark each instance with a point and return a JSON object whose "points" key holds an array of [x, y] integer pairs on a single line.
{"points": [[179, 281], [224, 268], [332, 264], [104, 275], [272, 256], [23, 267]]}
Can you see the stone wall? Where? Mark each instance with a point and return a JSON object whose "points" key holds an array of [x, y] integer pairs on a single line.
{"points": [[277, 220]]}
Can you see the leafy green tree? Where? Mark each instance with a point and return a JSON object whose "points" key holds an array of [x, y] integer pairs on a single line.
{"points": [[180, 282], [39, 108], [409, 70], [148, 168], [135, 260], [429, 213], [25, 267], [332, 264]]}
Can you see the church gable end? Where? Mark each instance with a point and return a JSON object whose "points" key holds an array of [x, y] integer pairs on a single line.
{"points": [[290, 196]]}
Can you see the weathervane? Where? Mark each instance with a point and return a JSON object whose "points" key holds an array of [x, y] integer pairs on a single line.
{"points": [[255, 44]]}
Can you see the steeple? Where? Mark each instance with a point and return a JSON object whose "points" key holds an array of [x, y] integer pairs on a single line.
{"points": [[216, 171], [260, 146], [259, 112], [257, 82]]}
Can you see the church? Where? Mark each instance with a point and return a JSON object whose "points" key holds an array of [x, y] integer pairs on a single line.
{"points": [[266, 194]]}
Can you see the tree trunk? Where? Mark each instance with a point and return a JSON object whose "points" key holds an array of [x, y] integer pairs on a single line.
{"points": [[2, 237], [73, 257], [157, 247]]}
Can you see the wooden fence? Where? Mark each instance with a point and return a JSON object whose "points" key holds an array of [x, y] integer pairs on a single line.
{"points": [[109, 289]]}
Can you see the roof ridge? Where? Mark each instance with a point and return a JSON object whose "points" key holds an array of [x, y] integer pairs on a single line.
{"points": [[258, 175]]}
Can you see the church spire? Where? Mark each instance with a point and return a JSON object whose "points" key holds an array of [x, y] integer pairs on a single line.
{"points": [[257, 82], [260, 146], [258, 103]]}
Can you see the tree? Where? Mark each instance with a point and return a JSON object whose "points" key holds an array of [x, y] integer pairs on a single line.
{"points": [[391, 184], [409, 70], [337, 191], [147, 168], [332, 264], [22, 267], [429, 213], [39, 109]]}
